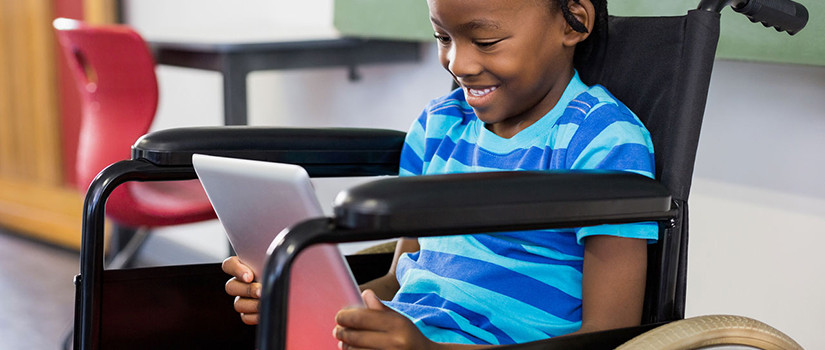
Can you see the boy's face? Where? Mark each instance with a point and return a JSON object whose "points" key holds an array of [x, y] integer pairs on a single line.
{"points": [[512, 58]]}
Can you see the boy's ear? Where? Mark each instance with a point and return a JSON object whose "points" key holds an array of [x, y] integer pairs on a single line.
{"points": [[584, 12]]}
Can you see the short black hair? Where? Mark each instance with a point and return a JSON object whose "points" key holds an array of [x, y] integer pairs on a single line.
{"points": [[597, 36]]}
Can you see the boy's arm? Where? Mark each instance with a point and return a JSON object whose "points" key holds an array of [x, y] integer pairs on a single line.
{"points": [[386, 286], [613, 282], [613, 287], [379, 327]]}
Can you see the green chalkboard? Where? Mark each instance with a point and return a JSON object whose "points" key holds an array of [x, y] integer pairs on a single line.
{"points": [[391, 19], [740, 39]]}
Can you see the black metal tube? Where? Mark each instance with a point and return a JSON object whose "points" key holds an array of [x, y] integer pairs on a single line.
{"points": [[275, 293], [87, 318]]}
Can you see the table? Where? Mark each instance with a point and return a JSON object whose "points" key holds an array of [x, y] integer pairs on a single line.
{"points": [[236, 60]]}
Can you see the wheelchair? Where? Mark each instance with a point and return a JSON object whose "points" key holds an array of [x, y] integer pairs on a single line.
{"points": [[658, 66]]}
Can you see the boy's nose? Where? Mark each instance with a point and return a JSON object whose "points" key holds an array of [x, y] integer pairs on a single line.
{"points": [[462, 62]]}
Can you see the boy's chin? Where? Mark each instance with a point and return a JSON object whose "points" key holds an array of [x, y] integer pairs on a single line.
{"points": [[487, 116]]}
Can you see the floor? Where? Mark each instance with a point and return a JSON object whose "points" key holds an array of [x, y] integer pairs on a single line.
{"points": [[36, 293]]}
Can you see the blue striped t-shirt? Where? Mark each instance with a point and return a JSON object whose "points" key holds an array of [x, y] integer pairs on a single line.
{"points": [[513, 287]]}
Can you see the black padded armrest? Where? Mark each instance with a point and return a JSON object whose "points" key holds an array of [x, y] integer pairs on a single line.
{"points": [[375, 150], [501, 200]]}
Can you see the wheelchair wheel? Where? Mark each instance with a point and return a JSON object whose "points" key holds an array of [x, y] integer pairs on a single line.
{"points": [[706, 331]]}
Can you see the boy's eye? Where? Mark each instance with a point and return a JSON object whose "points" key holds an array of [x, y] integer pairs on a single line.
{"points": [[442, 38], [487, 43]]}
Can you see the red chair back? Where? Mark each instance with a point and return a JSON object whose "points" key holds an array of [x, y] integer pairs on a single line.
{"points": [[115, 75]]}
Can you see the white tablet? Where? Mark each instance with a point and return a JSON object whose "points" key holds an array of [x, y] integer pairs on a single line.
{"points": [[255, 201]]}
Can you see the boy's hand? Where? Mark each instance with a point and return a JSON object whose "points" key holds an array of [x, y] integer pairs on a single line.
{"points": [[246, 292], [377, 327]]}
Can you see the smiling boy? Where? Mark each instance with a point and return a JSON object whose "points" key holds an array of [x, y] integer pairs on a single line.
{"points": [[511, 60], [520, 106]]}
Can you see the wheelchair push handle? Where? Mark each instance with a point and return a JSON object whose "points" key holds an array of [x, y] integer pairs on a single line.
{"points": [[782, 15]]}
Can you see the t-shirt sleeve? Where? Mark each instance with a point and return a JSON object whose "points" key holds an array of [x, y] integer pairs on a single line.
{"points": [[612, 138]]}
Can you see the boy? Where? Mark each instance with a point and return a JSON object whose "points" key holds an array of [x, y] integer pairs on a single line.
{"points": [[521, 106]]}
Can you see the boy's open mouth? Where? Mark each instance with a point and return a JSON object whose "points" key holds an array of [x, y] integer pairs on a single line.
{"points": [[481, 92]]}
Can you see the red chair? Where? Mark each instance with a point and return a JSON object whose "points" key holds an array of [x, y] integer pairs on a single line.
{"points": [[115, 74]]}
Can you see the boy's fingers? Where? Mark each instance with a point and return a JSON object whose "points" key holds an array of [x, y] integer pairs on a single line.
{"points": [[234, 267], [352, 339], [372, 301], [240, 289], [345, 346], [365, 319], [246, 305], [250, 319]]}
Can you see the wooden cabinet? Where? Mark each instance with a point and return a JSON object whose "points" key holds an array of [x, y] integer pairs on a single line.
{"points": [[35, 199]]}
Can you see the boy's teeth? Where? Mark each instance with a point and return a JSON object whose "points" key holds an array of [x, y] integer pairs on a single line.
{"points": [[477, 92]]}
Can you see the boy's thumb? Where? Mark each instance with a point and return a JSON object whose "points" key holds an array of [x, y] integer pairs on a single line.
{"points": [[371, 300]]}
